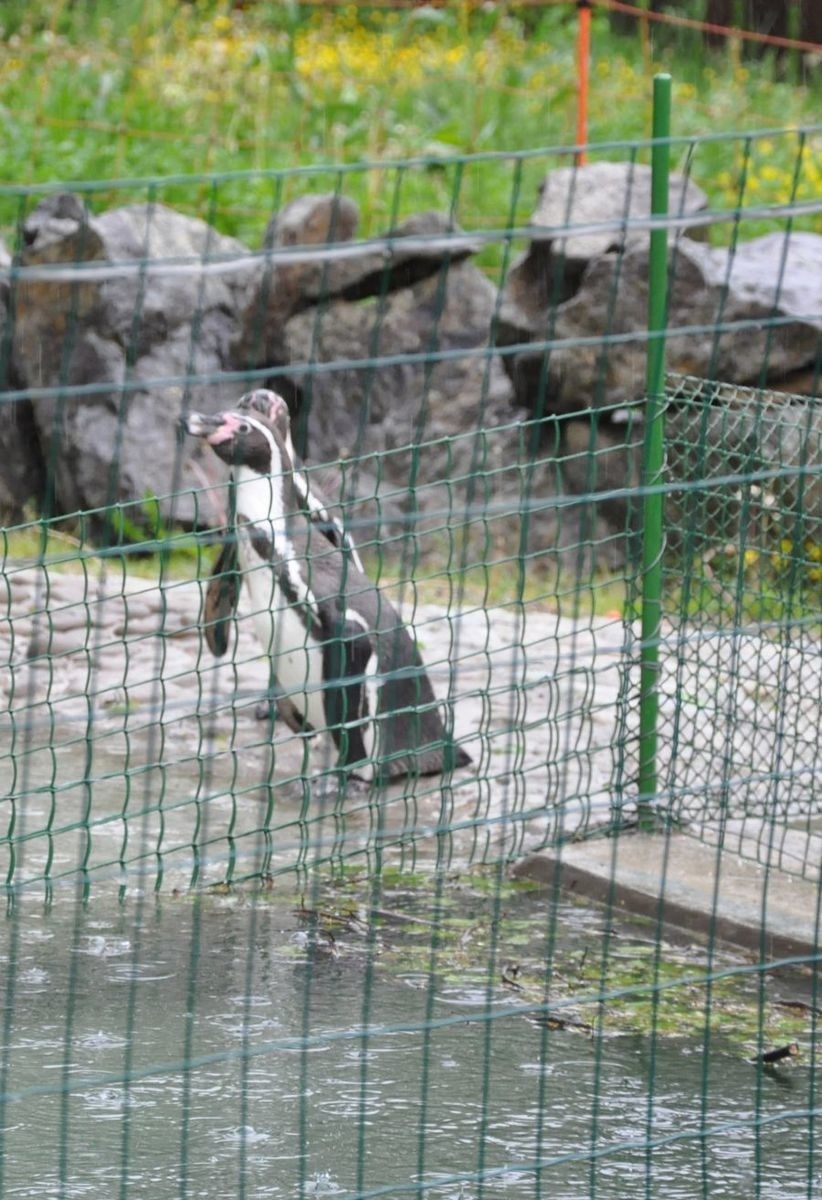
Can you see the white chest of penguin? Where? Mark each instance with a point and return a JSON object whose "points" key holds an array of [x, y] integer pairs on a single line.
{"points": [[283, 629]]}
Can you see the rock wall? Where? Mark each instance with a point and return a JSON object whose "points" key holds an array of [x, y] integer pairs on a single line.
{"points": [[398, 356]]}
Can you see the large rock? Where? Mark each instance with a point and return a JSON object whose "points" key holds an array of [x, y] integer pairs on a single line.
{"points": [[600, 192], [312, 258], [381, 404], [282, 282], [140, 308], [22, 470], [433, 441], [572, 198], [764, 297], [22, 475]]}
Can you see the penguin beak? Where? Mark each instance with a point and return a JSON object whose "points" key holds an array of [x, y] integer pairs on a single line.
{"points": [[217, 429], [200, 424]]}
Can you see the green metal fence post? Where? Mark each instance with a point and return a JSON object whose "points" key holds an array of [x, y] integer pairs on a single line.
{"points": [[653, 457]]}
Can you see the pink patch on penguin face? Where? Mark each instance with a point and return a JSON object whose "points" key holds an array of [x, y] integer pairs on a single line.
{"points": [[231, 425], [278, 409], [268, 404]]}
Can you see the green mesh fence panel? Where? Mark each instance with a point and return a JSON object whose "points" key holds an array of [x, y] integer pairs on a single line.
{"points": [[230, 968]]}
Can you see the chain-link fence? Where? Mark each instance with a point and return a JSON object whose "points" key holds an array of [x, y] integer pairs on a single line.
{"points": [[742, 657]]}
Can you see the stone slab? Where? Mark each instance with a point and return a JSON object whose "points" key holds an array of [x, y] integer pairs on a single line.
{"points": [[680, 881]]}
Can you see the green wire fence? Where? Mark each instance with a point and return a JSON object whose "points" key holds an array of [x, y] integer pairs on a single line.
{"points": [[231, 968]]}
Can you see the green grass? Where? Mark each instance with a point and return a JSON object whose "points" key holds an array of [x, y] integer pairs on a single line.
{"points": [[148, 89], [63, 546], [66, 545]]}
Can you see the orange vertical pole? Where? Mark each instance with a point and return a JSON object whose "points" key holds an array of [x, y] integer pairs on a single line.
{"points": [[583, 58]]}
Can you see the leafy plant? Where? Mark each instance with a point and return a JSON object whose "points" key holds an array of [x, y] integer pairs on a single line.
{"points": [[140, 530]]}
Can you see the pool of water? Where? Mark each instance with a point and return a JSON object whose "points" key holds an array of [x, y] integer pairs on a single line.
{"points": [[227, 1045]]}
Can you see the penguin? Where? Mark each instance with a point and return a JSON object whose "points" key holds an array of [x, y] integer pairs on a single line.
{"points": [[315, 504], [223, 591], [341, 655]]}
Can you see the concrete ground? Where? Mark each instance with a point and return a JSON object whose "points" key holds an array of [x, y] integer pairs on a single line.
{"points": [[126, 746], [129, 754], [676, 880]]}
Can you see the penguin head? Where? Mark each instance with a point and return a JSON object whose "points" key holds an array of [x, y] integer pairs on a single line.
{"points": [[242, 440], [268, 405], [271, 408]]}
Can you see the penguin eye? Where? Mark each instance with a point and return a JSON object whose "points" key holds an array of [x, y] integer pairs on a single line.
{"points": [[243, 427]]}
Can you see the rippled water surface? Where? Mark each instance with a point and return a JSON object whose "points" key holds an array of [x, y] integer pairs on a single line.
{"points": [[329, 1060]]}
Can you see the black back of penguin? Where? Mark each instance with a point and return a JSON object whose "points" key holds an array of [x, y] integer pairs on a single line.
{"points": [[411, 737]]}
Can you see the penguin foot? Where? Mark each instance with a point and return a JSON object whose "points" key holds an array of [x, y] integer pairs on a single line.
{"points": [[355, 785], [337, 783]]}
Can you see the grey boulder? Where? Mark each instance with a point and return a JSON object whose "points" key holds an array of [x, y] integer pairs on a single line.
{"points": [[21, 467], [429, 444], [565, 238], [311, 257], [748, 314], [149, 299]]}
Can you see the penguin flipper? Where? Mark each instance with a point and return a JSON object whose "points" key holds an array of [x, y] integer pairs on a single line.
{"points": [[221, 598], [291, 716], [276, 704], [346, 656], [318, 510]]}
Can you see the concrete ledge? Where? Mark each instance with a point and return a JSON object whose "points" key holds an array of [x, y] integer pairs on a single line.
{"points": [[682, 882]]}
